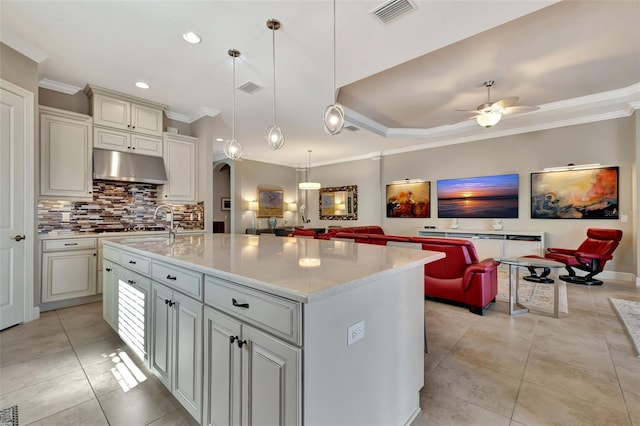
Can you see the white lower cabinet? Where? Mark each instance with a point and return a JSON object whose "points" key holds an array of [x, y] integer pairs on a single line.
{"points": [[68, 269], [176, 345], [250, 377], [110, 294]]}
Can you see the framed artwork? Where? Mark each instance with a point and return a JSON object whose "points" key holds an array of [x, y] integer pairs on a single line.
{"points": [[484, 197], [225, 203], [338, 203], [575, 194], [270, 202], [409, 200]]}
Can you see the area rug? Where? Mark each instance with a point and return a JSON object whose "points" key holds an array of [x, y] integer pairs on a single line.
{"points": [[9, 416], [535, 296], [629, 313]]}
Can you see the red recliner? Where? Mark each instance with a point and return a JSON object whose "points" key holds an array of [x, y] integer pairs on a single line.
{"points": [[459, 277], [591, 256]]}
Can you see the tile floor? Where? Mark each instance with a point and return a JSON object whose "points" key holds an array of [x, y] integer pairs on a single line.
{"points": [[579, 369]]}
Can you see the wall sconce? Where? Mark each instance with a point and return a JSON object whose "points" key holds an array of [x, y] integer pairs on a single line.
{"points": [[571, 166], [253, 208]]}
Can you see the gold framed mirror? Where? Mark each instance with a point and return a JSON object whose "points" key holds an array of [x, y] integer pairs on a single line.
{"points": [[339, 203]]}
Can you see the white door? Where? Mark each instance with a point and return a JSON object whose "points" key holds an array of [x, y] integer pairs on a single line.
{"points": [[16, 258]]}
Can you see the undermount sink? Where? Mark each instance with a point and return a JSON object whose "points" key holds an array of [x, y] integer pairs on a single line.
{"points": [[144, 239]]}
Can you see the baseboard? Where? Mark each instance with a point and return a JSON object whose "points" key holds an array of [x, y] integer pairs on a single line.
{"points": [[618, 276]]}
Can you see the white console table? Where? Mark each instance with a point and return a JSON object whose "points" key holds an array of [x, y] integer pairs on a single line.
{"points": [[494, 243]]}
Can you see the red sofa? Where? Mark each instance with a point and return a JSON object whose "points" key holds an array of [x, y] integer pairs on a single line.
{"points": [[460, 277]]}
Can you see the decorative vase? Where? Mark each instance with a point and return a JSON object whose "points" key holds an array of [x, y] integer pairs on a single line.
{"points": [[497, 224], [455, 224]]}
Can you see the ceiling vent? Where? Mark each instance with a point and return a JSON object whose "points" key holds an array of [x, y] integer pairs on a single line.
{"points": [[249, 87], [393, 9]]}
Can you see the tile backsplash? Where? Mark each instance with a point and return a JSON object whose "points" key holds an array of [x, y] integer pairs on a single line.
{"points": [[115, 206]]}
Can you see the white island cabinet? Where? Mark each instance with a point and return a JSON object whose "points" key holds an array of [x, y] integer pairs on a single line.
{"points": [[266, 339]]}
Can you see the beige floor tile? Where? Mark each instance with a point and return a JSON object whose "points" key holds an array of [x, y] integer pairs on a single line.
{"points": [[86, 414], [141, 405], [47, 324], [541, 406], [25, 349], [90, 334], [120, 370], [21, 374], [443, 408], [588, 385], [85, 320], [180, 417], [432, 359], [97, 352], [482, 356], [74, 311], [488, 390], [43, 399]]}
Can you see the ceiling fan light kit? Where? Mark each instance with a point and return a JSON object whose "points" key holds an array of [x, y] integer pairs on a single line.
{"points": [[274, 136], [233, 148], [333, 118]]}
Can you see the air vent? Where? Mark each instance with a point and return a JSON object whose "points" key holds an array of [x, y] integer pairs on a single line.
{"points": [[393, 9], [351, 128], [249, 87]]}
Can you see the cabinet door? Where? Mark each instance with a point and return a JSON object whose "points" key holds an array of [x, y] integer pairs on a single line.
{"points": [[110, 294], [144, 288], [111, 139], [180, 162], [146, 120], [221, 402], [187, 373], [271, 380], [68, 274], [161, 332], [146, 145], [65, 149], [111, 112]]}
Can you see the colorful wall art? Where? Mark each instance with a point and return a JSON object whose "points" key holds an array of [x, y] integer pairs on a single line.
{"points": [[493, 197], [270, 203], [575, 194], [412, 200]]}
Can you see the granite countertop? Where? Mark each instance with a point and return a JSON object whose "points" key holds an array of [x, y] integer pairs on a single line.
{"points": [[113, 234], [280, 265]]}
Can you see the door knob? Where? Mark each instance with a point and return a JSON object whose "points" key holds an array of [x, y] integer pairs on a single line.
{"points": [[19, 238]]}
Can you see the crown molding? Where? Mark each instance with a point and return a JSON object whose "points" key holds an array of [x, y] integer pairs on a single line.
{"points": [[69, 89], [194, 116]]}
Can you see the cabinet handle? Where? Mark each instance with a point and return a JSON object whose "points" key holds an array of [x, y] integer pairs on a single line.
{"points": [[132, 262], [95, 254], [70, 244], [239, 305], [169, 302], [241, 343], [133, 147], [132, 282], [169, 277], [108, 269], [233, 339], [19, 238]]}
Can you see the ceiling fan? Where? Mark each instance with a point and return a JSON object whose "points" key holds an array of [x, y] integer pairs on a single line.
{"points": [[490, 113]]}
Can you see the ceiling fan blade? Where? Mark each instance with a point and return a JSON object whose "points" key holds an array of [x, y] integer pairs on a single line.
{"points": [[471, 111], [507, 102], [521, 109]]}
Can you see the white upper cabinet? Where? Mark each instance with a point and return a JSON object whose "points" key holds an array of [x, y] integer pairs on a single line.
{"points": [[180, 154], [65, 154]]}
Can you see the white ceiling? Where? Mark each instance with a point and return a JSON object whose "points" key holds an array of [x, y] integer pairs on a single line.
{"points": [[401, 82]]}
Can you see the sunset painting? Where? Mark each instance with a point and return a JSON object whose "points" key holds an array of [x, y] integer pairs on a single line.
{"points": [[491, 197], [575, 194]]}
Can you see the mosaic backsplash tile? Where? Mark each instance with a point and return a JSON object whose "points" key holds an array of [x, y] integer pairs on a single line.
{"points": [[115, 206]]}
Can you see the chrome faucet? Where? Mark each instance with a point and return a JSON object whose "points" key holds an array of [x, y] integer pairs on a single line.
{"points": [[172, 230]]}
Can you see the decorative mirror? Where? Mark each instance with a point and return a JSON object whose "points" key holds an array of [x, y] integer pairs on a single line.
{"points": [[339, 203]]}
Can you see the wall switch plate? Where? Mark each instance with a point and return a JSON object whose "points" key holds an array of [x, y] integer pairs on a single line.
{"points": [[355, 333]]}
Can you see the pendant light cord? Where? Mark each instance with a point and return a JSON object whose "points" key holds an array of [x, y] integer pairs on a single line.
{"points": [[273, 39], [233, 120], [334, 52]]}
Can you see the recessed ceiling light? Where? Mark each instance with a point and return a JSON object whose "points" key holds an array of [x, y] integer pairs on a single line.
{"points": [[219, 139], [142, 85], [191, 37]]}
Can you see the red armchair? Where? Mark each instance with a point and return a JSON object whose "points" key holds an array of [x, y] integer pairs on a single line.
{"points": [[459, 277], [591, 256], [304, 233]]}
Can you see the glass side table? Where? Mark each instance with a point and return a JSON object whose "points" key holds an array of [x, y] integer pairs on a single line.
{"points": [[515, 263]]}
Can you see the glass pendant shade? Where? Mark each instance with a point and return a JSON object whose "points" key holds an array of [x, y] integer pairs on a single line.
{"points": [[233, 149], [489, 119], [274, 137], [334, 119]]}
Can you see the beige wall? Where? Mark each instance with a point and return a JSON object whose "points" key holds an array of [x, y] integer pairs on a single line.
{"points": [[77, 103]]}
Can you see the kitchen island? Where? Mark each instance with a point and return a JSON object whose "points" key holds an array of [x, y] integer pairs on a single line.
{"points": [[250, 329]]}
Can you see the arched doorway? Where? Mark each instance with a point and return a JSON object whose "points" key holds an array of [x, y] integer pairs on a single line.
{"points": [[221, 197]]}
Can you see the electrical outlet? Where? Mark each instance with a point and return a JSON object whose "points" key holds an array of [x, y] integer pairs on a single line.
{"points": [[355, 333]]}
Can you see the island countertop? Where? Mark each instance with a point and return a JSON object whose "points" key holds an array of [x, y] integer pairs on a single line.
{"points": [[300, 269]]}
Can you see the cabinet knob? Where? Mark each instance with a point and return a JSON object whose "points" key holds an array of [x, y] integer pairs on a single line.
{"points": [[95, 254], [108, 269], [241, 343], [19, 238], [132, 282]]}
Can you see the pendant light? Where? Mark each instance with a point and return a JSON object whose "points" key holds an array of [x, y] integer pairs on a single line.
{"points": [[308, 185], [334, 114], [274, 134], [232, 148]]}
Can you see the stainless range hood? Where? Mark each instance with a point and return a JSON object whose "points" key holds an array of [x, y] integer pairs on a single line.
{"points": [[122, 166]]}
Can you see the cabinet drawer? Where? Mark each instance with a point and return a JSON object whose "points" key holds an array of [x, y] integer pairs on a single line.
{"points": [[137, 263], [111, 254], [276, 315], [70, 244], [183, 280]]}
